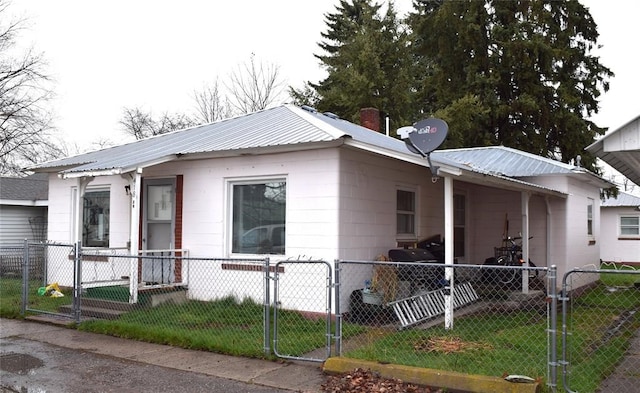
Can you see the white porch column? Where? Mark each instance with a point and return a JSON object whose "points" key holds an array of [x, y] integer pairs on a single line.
{"points": [[448, 251], [134, 235], [525, 239]]}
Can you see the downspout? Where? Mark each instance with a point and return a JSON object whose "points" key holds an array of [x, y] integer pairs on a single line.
{"points": [[525, 239], [134, 233]]}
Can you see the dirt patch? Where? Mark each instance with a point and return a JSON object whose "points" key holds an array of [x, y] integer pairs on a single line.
{"points": [[450, 344], [367, 381]]}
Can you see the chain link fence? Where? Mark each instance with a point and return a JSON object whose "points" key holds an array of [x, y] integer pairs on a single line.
{"points": [[571, 333], [600, 329]]}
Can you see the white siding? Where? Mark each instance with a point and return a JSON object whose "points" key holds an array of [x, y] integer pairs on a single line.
{"points": [[612, 249], [14, 223]]}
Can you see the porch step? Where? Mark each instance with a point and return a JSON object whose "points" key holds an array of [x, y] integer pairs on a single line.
{"points": [[100, 308], [107, 304]]}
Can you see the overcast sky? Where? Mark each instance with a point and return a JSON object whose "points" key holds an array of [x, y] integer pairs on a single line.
{"points": [[107, 55]]}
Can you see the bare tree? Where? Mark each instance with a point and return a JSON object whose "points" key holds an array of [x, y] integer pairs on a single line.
{"points": [[254, 86], [25, 123], [211, 105], [141, 124]]}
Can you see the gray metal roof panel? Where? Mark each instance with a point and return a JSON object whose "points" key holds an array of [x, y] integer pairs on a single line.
{"points": [[622, 200], [277, 126], [505, 161]]}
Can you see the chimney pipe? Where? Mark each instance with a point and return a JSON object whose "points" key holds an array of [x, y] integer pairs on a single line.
{"points": [[370, 118]]}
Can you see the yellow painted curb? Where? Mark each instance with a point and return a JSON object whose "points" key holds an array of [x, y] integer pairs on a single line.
{"points": [[429, 377]]}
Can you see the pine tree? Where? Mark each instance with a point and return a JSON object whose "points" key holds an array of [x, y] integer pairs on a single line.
{"points": [[367, 56], [512, 72]]}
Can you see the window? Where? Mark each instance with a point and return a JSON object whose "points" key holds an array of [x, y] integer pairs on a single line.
{"points": [[406, 213], [630, 226], [258, 217], [459, 219], [95, 218], [590, 217]]}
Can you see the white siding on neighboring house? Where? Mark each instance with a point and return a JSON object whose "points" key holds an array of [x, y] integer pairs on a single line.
{"points": [[15, 226], [616, 246]]}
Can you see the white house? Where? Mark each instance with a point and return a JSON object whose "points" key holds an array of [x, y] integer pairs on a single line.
{"points": [[620, 228], [23, 209], [333, 189]]}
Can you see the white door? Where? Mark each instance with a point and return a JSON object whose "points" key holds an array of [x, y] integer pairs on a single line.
{"points": [[157, 234]]}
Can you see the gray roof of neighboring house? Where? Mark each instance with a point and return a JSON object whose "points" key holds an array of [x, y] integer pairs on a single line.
{"points": [[622, 200], [30, 188], [292, 127]]}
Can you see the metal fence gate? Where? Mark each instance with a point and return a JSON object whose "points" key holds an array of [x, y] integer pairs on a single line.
{"points": [[47, 268], [299, 285], [600, 329]]}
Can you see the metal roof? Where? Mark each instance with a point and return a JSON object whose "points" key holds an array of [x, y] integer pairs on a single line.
{"points": [[505, 161], [622, 200], [291, 127], [620, 148]]}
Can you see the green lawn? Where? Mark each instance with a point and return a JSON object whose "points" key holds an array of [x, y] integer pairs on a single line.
{"points": [[489, 342]]}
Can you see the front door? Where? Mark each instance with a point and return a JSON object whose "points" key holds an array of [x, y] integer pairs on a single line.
{"points": [[157, 234]]}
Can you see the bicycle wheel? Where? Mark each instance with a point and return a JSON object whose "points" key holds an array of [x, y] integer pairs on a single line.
{"points": [[506, 276]]}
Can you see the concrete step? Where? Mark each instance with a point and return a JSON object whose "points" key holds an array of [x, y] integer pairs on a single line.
{"points": [[94, 312], [107, 304]]}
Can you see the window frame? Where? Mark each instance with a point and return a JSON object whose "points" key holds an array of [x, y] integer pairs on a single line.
{"points": [[620, 226], [591, 218], [107, 242], [229, 203], [407, 235]]}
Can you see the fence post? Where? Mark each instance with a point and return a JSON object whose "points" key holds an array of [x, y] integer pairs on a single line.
{"points": [[267, 310], [552, 290], [338, 334], [77, 281], [25, 277]]}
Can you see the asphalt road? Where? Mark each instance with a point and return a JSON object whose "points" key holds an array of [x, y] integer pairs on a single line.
{"points": [[28, 366]]}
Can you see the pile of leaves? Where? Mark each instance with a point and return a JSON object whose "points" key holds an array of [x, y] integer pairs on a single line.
{"points": [[367, 381], [448, 344]]}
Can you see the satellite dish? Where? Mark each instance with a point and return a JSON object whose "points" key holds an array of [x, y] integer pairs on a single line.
{"points": [[425, 137], [428, 135]]}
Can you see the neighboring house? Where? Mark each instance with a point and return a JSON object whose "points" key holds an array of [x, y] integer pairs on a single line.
{"points": [[620, 148], [333, 189], [23, 209], [620, 228]]}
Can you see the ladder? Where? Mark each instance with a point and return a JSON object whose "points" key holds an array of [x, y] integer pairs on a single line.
{"points": [[418, 308]]}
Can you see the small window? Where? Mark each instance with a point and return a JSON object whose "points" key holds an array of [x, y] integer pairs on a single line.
{"points": [[459, 220], [258, 218], [590, 217], [630, 226], [406, 213], [95, 219]]}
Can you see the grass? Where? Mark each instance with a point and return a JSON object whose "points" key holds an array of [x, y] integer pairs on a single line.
{"points": [[491, 342], [11, 298]]}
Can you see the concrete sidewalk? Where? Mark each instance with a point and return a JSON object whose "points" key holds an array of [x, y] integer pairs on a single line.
{"points": [[294, 376]]}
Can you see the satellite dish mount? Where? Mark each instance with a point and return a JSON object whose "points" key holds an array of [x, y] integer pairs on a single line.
{"points": [[424, 137]]}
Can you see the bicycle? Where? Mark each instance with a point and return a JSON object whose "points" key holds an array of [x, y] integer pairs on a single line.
{"points": [[511, 255]]}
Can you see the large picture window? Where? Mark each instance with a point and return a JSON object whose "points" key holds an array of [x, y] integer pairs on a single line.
{"points": [[95, 218], [258, 218]]}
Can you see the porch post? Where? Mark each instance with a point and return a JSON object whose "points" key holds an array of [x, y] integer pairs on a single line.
{"points": [[448, 252], [134, 235], [525, 239]]}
